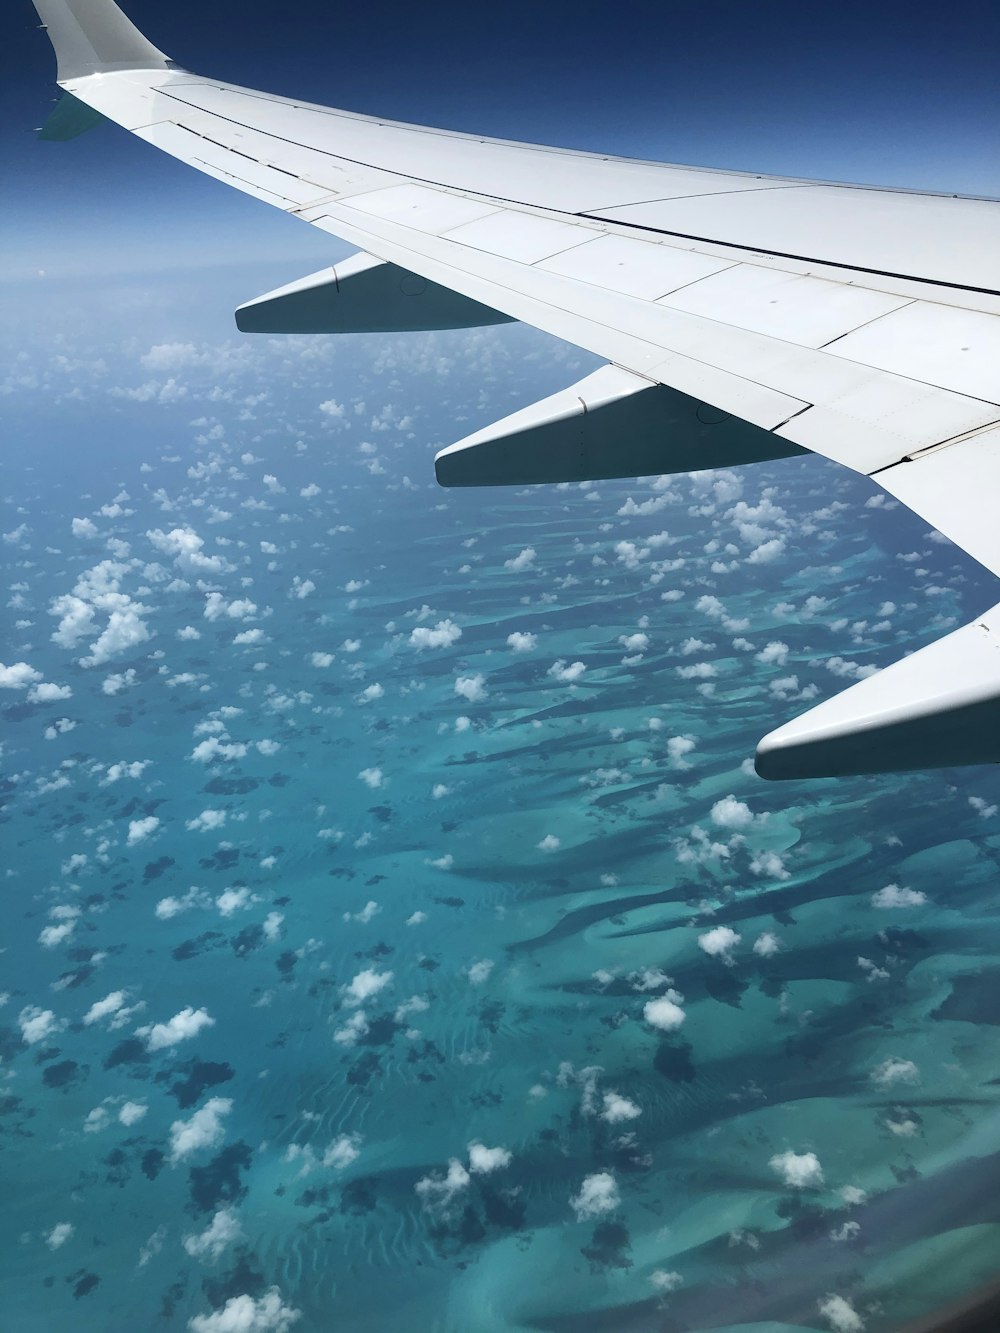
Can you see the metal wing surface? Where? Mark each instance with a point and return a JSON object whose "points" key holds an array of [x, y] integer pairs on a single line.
{"points": [[743, 317]]}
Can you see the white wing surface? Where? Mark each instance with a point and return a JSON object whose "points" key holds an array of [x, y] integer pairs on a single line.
{"points": [[743, 317]]}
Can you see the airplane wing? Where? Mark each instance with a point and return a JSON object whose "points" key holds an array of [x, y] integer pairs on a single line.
{"points": [[742, 317]]}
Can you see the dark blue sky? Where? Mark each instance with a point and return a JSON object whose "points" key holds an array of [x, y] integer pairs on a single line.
{"points": [[891, 92]]}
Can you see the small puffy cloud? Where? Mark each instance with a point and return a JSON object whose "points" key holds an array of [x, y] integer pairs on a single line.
{"points": [[83, 527], [678, 747], [774, 653], [37, 1024], [366, 984], [122, 680], [598, 1195], [522, 642], [729, 813], [665, 1012], [131, 1113], [841, 1314], [342, 1152], [767, 551], [665, 1280], [141, 829], [371, 693], [272, 926], [207, 821], [18, 676], [184, 547], [479, 973], [321, 660], [223, 1230], [550, 843], [798, 1170], [204, 1129], [59, 1235], [894, 895], [893, 1070], [483, 1161], [232, 901], [566, 672], [46, 693], [106, 1008], [766, 944], [719, 942], [524, 560], [372, 777], [182, 1027], [618, 1109], [244, 1314], [437, 1191], [471, 688]]}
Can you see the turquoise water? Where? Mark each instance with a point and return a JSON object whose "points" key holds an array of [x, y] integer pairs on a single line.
{"points": [[368, 968]]}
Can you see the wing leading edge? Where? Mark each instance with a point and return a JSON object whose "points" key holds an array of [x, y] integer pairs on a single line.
{"points": [[743, 317]]}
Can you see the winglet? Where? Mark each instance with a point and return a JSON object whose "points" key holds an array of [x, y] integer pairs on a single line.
{"points": [[95, 37]]}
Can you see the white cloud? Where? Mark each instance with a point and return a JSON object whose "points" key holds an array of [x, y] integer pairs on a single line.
{"points": [[841, 1314], [522, 642], [223, 1230], [665, 1280], [366, 984], [114, 684], [18, 676], [321, 660], [46, 693], [719, 942], [598, 1195], [204, 1129], [483, 1160], [566, 673], [272, 926], [550, 843], [37, 1024], [372, 777], [677, 748], [893, 895], [479, 973], [184, 547], [767, 551], [232, 901], [182, 1027], [618, 1109], [342, 1152], [84, 527], [774, 654], [472, 688], [59, 1235], [730, 813], [664, 1012], [140, 829], [244, 1314], [131, 1113], [105, 1008], [521, 562], [798, 1170], [207, 821], [766, 944], [893, 1070], [436, 1191]]}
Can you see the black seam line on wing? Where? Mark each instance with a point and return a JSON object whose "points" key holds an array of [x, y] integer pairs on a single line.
{"points": [[918, 454], [785, 254], [591, 217], [276, 100]]}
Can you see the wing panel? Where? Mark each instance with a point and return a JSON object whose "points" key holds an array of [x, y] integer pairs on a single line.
{"points": [[957, 349], [884, 231], [808, 311], [644, 268]]}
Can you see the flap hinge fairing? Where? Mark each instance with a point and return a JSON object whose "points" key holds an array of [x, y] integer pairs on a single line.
{"points": [[611, 424], [363, 295]]}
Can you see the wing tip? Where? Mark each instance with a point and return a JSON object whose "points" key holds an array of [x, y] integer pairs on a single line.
{"points": [[95, 37]]}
